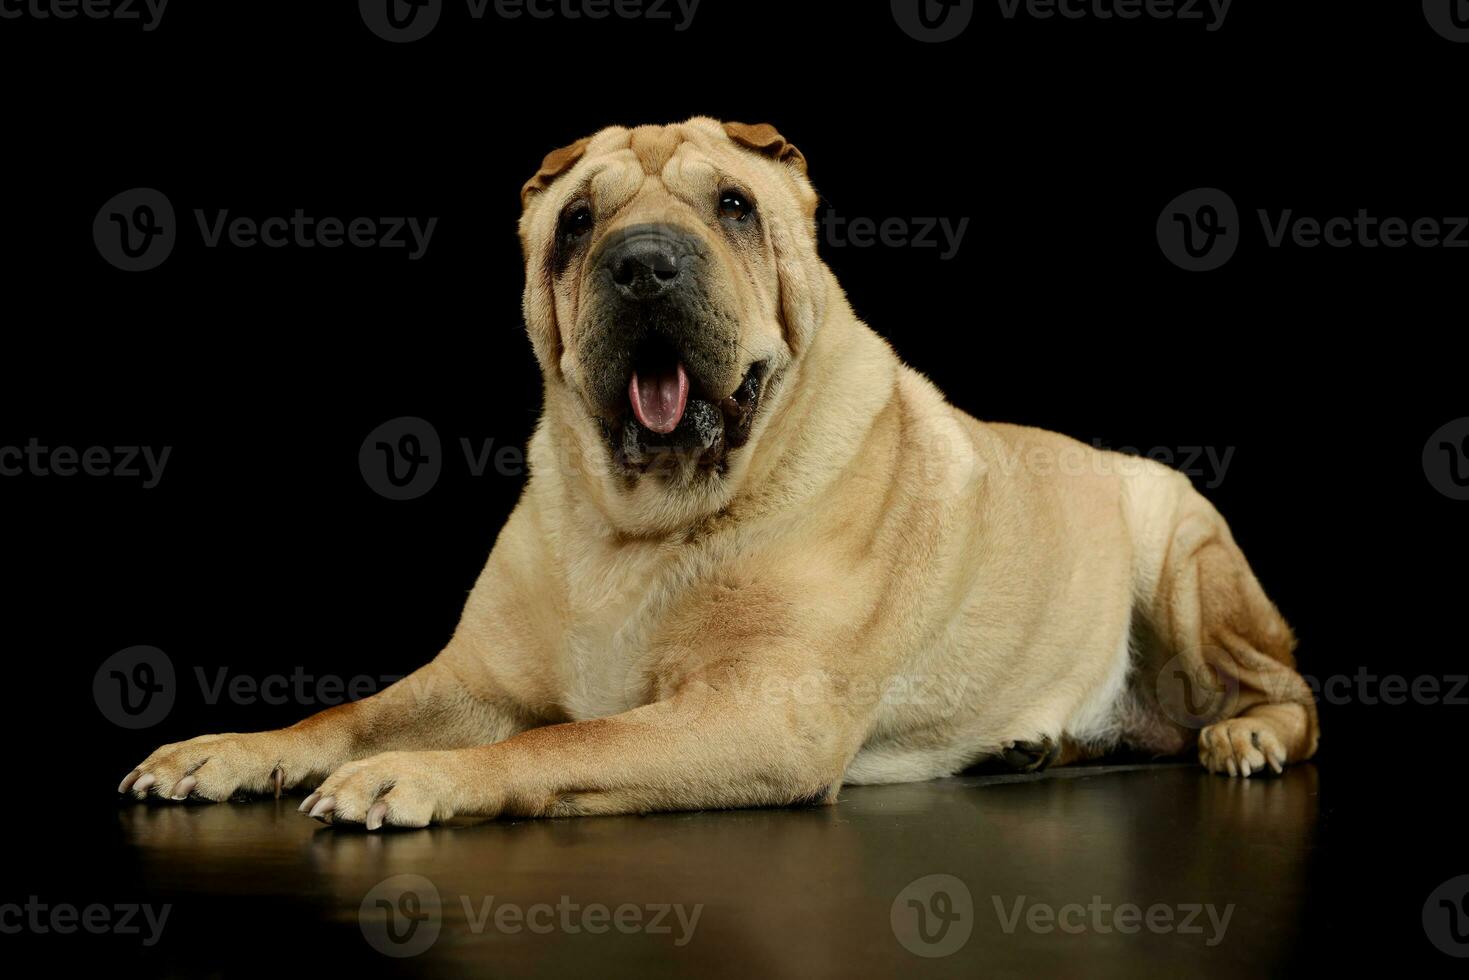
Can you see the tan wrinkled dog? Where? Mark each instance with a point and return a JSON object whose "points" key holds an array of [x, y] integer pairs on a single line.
{"points": [[759, 557]]}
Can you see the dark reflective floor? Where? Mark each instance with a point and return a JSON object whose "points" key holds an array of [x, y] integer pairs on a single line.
{"points": [[1121, 871]]}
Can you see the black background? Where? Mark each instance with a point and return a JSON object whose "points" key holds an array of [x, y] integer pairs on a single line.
{"points": [[263, 550]]}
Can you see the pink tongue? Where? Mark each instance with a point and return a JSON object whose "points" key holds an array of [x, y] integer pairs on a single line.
{"points": [[659, 399]]}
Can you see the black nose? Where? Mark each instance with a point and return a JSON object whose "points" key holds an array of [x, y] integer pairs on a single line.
{"points": [[645, 263]]}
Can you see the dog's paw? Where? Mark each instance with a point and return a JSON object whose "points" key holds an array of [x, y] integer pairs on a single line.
{"points": [[213, 767], [399, 789], [1241, 747], [1031, 756]]}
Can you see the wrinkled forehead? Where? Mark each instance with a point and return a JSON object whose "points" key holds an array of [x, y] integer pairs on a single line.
{"points": [[685, 162]]}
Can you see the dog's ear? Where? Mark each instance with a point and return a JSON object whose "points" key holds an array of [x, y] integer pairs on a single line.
{"points": [[764, 139], [557, 162]]}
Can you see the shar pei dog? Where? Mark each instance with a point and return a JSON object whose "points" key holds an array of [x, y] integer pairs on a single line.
{"points": [[759, 557]]}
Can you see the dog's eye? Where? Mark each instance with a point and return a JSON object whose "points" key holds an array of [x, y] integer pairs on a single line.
{"points": [[576, 223], [734, 206]]}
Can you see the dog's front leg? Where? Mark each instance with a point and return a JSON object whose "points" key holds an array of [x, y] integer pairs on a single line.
{"points": [[737, 739], [437, 706]]}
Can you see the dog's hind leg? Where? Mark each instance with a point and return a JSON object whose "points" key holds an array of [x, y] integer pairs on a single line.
{"points": [[1217, 657]]}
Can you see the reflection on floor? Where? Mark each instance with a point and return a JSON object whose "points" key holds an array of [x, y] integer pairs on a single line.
{"points": [[1117, 871]]}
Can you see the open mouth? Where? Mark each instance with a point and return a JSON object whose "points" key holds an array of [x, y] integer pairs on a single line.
{"points": [[674, 421], [659, 393]]}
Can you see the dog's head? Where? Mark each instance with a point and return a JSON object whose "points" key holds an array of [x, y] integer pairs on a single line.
{"points": [[671, 280]]}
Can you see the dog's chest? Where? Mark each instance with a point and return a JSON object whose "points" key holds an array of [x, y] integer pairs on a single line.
{"points": [[605, 650]]}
